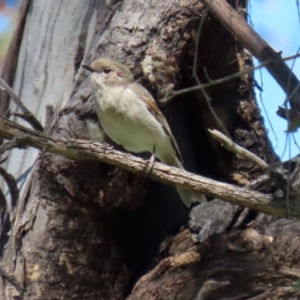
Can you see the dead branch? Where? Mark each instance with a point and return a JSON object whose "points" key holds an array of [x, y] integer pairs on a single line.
{"points": [[27, 115], [224, 80], [234, 148], [242, 31], [12, 53], [8, 146], [12, 281], [87, 151], [12, 186]]}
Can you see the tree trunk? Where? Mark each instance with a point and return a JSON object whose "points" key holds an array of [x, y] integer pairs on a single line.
{"points": [[93, 231]]}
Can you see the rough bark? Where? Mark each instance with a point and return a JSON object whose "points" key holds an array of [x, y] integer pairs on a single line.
{"points": [[89, 230]]}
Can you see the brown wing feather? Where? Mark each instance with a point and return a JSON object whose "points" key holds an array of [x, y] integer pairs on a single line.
{"points": [[154, 109]]}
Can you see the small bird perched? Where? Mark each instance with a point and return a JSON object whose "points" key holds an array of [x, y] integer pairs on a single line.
{"points": [[131, 118]]}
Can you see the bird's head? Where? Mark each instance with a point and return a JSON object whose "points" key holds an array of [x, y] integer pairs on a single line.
{"points": [[109, 73]]}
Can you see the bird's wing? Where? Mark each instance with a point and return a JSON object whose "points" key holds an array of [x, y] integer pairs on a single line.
{"points": [[155, 111]]}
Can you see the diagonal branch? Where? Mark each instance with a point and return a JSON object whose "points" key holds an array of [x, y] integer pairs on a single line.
{"points": [[238, 150], [12, 281], [225, 79], [11, 57], [27, 115], [246, 35], [87, 151]]}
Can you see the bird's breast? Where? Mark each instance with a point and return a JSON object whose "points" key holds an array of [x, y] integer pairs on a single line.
{"points": [[108, 99]]}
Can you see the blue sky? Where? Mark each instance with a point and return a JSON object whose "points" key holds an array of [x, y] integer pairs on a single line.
{"points": [[277, 22], [5, 20], [12, 3]]}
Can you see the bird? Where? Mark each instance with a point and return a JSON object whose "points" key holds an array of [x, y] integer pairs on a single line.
{"points": [[131, 118]]}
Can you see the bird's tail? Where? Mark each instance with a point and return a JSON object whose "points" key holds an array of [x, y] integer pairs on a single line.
{"points": [[187, 196]]}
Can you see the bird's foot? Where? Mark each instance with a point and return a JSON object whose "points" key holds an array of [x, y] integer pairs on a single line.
{"points": [[150, 163]]}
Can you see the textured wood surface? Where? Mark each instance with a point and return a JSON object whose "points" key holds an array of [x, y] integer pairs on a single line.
{"points": [[88, 230], [46, 70]]}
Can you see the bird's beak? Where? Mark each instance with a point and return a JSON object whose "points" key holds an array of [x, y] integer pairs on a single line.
{"points": [[88, 68]]}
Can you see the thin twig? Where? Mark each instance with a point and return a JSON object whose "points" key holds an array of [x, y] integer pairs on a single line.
{"points": [[9, 145], [267, 116], [195, 75], [224, 79], [2, 287], [289, 179], [198, 39], [3, 160], [49, 117], [2, 204], [258, 47], [238, 150], [12, 186], [28, 115], [12, 281]]}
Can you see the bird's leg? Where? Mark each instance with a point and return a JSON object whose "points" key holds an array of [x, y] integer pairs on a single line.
{"points": [[151, 161]]}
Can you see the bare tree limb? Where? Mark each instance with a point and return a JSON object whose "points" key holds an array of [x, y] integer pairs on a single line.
{"points": [[8, 146], [194, 74], [233, 147], [246, 35], [12, 281], [87, 151], [2, 204], [12, 186], [11, 57], [27, 115], [224, 79]]}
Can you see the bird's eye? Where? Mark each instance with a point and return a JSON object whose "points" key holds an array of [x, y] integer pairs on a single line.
{"points": [[107, 71]]}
